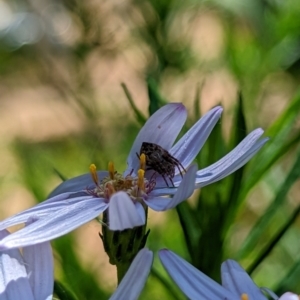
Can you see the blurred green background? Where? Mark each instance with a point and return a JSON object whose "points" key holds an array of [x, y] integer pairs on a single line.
{"points": [[62, 107]]}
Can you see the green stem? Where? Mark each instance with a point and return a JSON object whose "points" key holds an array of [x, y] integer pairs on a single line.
{"points": [[122, 268]]}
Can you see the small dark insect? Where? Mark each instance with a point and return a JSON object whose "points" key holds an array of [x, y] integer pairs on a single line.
{"points": [[161, 161]]}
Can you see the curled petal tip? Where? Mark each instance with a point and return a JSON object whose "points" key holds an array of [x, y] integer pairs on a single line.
{"points": [[218, 109], [178, 104], [259, 131]]}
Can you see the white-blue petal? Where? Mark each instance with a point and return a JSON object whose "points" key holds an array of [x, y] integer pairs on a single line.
{"points": [[236, 280], [184, 191], [163, 191], [161, 128], [235, 159], [194, 284], [289, 296], [135, 278], [14, 283], [39, 265], [188, 147], [122, 213], [43, 209], [78, 183], [56, 224]]}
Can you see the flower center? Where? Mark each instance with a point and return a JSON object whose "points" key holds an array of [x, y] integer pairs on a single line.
{"points": [[244, 297], [137, 187]]}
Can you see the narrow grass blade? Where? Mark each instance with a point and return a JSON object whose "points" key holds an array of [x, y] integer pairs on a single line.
{"points": [[239, 133], [273, 242], [166, 284], [139, 116], [155, 98], [290, 281], [266, 218], [278, 145], [62, 292]]}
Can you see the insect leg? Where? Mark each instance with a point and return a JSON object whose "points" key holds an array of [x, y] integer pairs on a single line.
{"points": [[177, 163], [172, 181], [164, 178]]}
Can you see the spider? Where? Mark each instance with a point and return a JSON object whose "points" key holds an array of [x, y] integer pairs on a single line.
{"points": [[161, 161]]}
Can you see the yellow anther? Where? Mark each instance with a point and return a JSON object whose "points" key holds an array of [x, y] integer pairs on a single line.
{"points": [[94, 174], [141, 183], [244, 297], [143, 161], [111, 170]]}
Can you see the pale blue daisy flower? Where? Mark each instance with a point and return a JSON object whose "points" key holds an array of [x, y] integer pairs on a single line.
{"points": [[125, 196], [236, 283], [27, 275]]}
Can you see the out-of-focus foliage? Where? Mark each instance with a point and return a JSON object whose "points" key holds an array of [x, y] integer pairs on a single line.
{"points": [[245, 54]]}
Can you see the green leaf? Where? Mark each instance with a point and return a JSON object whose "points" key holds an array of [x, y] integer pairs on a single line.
{"points": [[208, 253], [276, 147], [198, 221], [239, 126], [155, 99], [60, 175], [266, 218], [82, 281], [239, 133], [290, 281], [62, 292], [213, 149], [190, 226], [139, 116], [197, 110], [273, 242], [167, 285], [28, 159]]}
